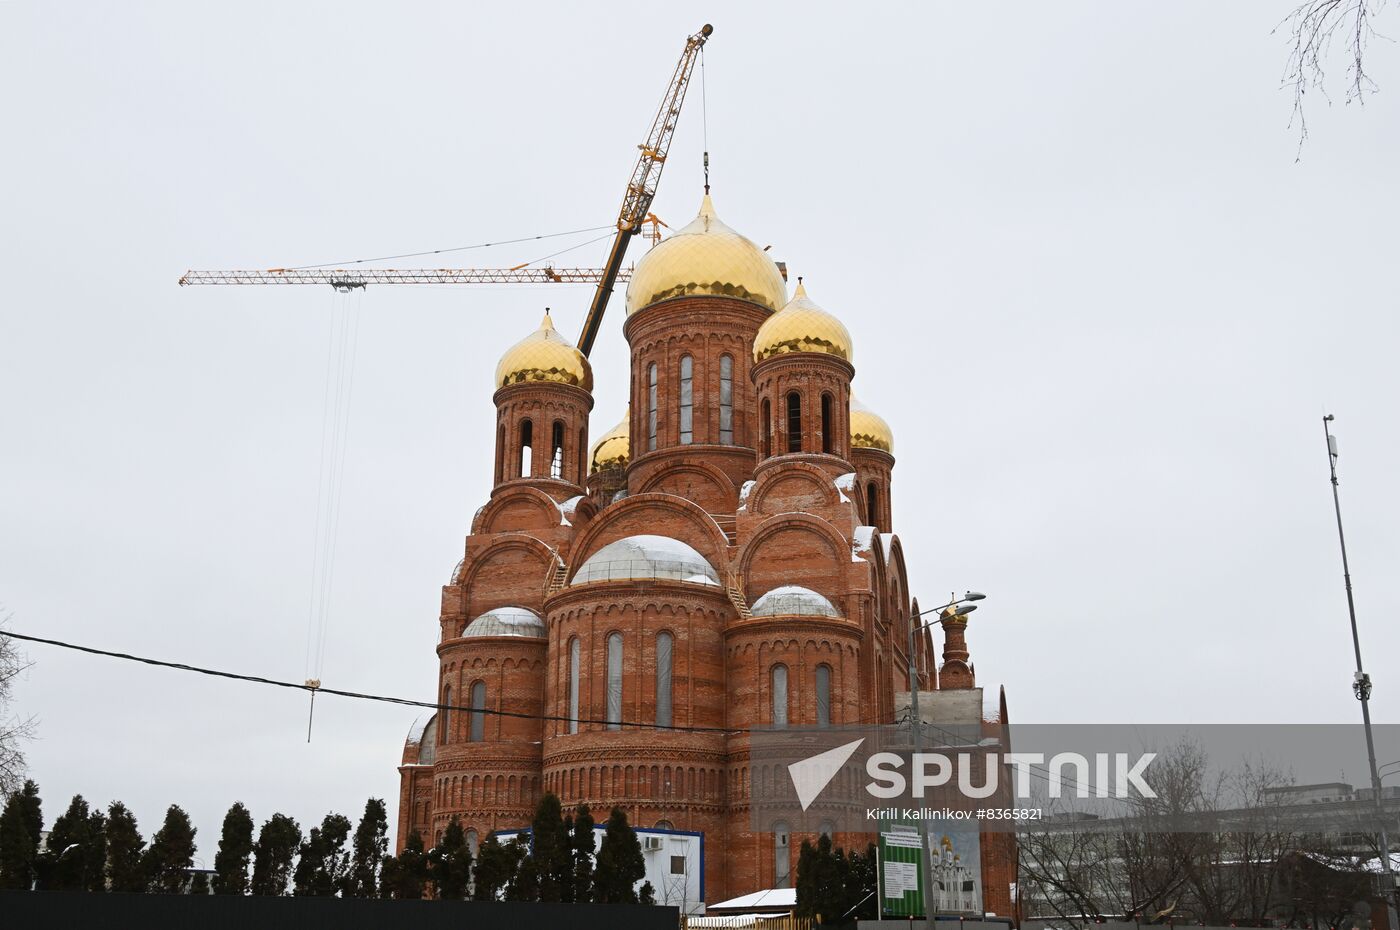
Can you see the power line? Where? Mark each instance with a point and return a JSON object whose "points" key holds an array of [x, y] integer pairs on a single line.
{"points": [[358, 695], [408, 702]]}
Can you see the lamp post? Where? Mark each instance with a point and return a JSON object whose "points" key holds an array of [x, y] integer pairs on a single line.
{"points": [[1361, 682], [925, 855]]}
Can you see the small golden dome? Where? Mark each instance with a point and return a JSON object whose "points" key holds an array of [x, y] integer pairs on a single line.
{"points": [[613, 449], [869, 430], [706, 257], [544, 355], [801, 326]]}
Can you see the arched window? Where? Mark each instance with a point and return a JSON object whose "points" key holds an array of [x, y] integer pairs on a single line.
{"points": [[826, 423], [664, 644], [780, 696], [827, 828], [765, 439], [614, 708], [473, 842], [445, 731], [782, 856], [794, 422], [573, 685], [726, 400], [823, 691], [527, 438], [582, 474], [665, 825], [687, 400], [556, 454], [478, 717], [872, 503], [651, 407], [501, 453]]}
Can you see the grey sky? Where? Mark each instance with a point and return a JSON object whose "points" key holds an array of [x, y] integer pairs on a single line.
{"points": [[1091, 291]]}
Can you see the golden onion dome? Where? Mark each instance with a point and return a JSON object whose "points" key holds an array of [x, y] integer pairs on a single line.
{"points": [[869, 430], [706, 258], [801, 326], [613, 449], [544, 355]]}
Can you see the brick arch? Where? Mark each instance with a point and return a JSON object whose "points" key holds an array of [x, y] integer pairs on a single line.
{"points": [[644, 513], [494, 577], [697, 481], [897, 573], [793, 486], [517, 508], [782, 551]]}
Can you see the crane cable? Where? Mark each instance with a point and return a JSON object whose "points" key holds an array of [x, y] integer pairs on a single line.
{"points": [[343, 345], [459, 248], [705, 119]]}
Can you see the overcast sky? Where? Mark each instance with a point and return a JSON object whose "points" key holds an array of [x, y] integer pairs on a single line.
{"points": [[1100, 304]]}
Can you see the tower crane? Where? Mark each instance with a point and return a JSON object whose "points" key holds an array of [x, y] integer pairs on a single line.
{"points": [[632, 217]]}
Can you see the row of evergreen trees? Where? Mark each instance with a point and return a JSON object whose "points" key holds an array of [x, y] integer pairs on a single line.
{"points": [[833, 886], [89, 850]]}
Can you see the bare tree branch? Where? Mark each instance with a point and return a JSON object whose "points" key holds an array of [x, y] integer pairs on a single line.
{"points": [[13, 730], [1313, 28]]}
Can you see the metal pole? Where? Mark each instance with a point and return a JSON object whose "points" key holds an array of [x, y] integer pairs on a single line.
{"points": [[918, 734], [1362, 683]]}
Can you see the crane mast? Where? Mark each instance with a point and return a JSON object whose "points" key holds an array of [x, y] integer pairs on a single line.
{"points": [[641, 188]]}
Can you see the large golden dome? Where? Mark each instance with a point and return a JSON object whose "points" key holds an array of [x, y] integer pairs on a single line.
{"points": [[544, 355], [801, 326], [613, 449], [869, 430], [706, 257]]}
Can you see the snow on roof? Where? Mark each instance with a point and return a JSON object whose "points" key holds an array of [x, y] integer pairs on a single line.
{"points": [[793, 600], [887, 542], [647, 556], [744, 494], [768, 898], [569, 507], [844, 483], [862, 541], [506, 621]]}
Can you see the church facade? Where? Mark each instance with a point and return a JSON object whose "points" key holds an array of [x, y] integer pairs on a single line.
{"points": [[721, 559]]}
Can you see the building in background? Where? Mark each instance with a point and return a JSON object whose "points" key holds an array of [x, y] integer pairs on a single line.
{"points": [[722, 558]]}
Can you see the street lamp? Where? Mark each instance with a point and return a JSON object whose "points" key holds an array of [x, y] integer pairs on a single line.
{"points": [[1361, 682], [925, 855]]}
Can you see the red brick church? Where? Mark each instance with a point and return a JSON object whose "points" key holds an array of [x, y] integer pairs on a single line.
{"points": [[722, 558]]}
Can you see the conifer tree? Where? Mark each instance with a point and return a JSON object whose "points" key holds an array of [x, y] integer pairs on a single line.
{"points": [[171, 853], [199, 883], [646, 894], [95, 853], [323, 861], [550, 851], [583, 845], [20, 826], [451, 863], [496, 866], [61, 867], [370, 850], [124, 850], [406, 874], [620, 863], [235, 852], [277, 844]]}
